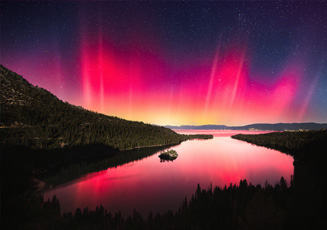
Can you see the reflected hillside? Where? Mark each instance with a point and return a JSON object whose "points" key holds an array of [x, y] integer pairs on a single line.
{"points": [[65, 173]]}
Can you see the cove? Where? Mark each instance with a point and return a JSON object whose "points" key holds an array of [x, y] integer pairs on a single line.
{"points": [[151, 185]]}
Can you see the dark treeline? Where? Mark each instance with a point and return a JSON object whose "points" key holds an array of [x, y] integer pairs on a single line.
{"points": [[297, 144], [235, 207], [310, 173], [33, 117]]}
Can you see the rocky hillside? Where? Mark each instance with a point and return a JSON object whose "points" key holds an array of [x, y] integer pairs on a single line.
{"points": [[33, 117]]}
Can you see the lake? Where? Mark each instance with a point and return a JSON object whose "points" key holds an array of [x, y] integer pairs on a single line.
{"points": [[151, 185]]}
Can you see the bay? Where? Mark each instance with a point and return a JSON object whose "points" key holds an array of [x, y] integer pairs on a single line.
{"points": [[151, 185]]}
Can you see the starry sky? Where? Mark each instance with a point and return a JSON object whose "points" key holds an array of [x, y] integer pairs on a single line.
{"points": [[175, 63]]}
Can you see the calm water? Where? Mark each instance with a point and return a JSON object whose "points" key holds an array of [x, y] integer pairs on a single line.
{"points": [[149, 185]]}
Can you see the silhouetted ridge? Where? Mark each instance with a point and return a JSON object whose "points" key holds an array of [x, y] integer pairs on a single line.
{"points": [[263, 126], [33, 117]]}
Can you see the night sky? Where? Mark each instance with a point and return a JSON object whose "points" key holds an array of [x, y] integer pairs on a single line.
{"points": [[175, 63]]}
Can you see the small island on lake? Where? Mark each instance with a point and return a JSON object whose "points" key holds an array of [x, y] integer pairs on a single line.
{"points": [[169, 155]]}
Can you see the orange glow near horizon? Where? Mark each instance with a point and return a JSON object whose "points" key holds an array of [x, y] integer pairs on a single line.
{"points": [[174, 63], [133, 85]]}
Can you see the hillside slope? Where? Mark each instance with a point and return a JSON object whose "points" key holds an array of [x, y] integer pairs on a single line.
{"points": [[33, 117]]}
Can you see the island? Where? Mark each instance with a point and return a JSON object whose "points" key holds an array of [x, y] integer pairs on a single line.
{"points": [[169, 155]]}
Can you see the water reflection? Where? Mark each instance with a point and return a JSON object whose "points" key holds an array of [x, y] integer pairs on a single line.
{"points": [[147, 185], [67, 173]]}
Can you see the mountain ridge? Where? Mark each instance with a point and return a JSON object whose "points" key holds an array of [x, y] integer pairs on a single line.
{"points": [[257, 126], [34, 117]]}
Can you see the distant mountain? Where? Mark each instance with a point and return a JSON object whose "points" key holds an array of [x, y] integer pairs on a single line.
{"points": [[198, 127], [33, 117], [274, 127]]}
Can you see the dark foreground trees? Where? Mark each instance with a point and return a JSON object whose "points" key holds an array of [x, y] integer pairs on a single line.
{"points": [[307, 203], [244, 206]]}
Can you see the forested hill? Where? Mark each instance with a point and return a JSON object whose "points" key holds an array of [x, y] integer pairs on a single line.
{"points": [[33, 117]]}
